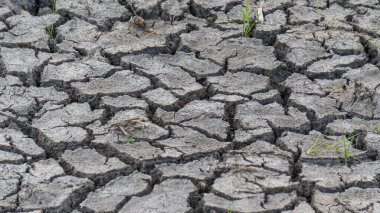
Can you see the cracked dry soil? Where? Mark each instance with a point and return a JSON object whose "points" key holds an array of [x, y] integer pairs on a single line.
{"points": [[181, 114]]}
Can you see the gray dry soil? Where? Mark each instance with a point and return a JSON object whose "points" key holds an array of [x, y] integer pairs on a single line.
{"points": [[212, 122]]}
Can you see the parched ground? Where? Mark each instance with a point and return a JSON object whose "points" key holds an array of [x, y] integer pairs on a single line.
{"points": [[180, 113]]}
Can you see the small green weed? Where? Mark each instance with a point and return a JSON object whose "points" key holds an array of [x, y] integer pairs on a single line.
{"points": [[347, 141], [328, 25], [317, 146], [342, 147], [131, 138], [229, 210], [248, 21], [129, 129], [50, 30], [53, 5], [314, 147]]}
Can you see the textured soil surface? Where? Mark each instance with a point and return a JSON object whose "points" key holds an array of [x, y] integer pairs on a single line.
{"points": [[103, 111]]}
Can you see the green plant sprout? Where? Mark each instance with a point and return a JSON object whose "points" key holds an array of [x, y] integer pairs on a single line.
{"points": [[229, 210], [49, 29], [248, 22], [315, 147], [342, 146], [131, 138], [328, 24], [129, 129], [346, 141], [53, 5]]}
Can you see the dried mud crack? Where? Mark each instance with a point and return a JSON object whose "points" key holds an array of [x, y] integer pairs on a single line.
{"points": [[161, 106]]}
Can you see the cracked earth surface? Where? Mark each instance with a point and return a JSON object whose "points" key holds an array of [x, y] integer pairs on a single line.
{"points": [[182, 114]]}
